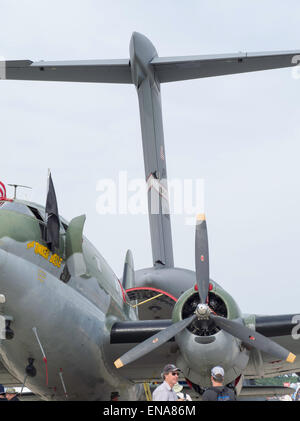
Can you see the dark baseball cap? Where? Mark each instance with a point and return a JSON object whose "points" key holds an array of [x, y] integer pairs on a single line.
{"points": [[170, 368]]}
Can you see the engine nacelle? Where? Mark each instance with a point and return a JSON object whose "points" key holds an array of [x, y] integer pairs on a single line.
{"points": [[203, 345]]}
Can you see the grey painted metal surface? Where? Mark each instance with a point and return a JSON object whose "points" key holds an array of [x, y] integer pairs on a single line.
{"points": [[148, 89]]}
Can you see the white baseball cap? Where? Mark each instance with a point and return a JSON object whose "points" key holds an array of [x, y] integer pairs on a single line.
{"points": [[217, 373]]}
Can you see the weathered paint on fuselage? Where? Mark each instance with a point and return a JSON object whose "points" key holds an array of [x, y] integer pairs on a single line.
{"points": [[72, 319]]}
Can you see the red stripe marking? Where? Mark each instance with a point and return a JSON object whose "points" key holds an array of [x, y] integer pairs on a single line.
{"points": [[189, 383], [45, 361], [123, 293], [152, 289]]}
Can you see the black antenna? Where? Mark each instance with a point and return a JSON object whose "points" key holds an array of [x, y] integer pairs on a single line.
{"points": [[15, 188]]}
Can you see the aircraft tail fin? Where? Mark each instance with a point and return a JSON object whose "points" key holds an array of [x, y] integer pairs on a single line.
{"points": [[142, 52], [128, 282]]}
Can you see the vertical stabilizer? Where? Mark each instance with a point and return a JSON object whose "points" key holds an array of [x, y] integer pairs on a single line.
{"points": [[142, 53]]}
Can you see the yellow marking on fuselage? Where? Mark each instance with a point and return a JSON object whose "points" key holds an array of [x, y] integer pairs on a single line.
{"points": [[43, 251], [41, 275]]}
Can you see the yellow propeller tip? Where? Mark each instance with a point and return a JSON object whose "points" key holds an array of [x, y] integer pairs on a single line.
{"points": [[291, 358], [201, 217], [118, 363]]}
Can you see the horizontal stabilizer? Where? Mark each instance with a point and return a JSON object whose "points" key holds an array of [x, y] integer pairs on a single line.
{"points": [[101, 71], [171, 69], [166, 69]]}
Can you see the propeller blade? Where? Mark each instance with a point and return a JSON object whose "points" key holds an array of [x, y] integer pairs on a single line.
{"points": [[202, 258], [153, 342], [252, 338]]}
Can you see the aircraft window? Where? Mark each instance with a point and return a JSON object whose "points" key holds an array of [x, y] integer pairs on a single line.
{"points": [[16, 207], [36, 213], [42, 225]]}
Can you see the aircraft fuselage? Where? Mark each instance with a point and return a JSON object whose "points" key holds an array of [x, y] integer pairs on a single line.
{"points": [[63, 327]]}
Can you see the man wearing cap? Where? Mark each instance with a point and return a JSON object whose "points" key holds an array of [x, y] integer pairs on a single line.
{"points": [[165, 391], [218, 392], [11, 394], [2, 393]]}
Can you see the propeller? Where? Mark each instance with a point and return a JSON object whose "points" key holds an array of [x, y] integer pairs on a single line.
{"points": [[252, 338], [203, 313], [201, 258], [153, 342]]}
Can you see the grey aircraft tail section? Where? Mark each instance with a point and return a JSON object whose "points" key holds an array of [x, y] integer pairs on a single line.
{"points": [[173, 69], [146, 71], [165, 69], [142, 53], [93, 71]]}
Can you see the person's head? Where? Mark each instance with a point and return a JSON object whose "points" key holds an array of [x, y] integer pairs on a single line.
{"points": [[2, 392], [170, 374], [217, 376], [10, 392]]}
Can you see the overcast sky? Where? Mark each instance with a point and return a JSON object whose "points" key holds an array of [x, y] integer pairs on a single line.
{"points": [[239, 133]]}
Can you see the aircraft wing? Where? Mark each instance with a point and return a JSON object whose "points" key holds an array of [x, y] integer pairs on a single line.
{"points": [[105, 71], [284, 330], [171, 69]]}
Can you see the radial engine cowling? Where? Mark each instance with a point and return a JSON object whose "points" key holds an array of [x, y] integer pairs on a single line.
{"points": [[203, 345]]}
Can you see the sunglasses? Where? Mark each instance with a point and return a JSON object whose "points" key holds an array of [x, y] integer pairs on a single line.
{"points": [[175, 374]]}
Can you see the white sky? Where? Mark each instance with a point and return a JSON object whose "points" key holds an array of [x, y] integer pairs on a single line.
{"points": [[240, 133]]}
